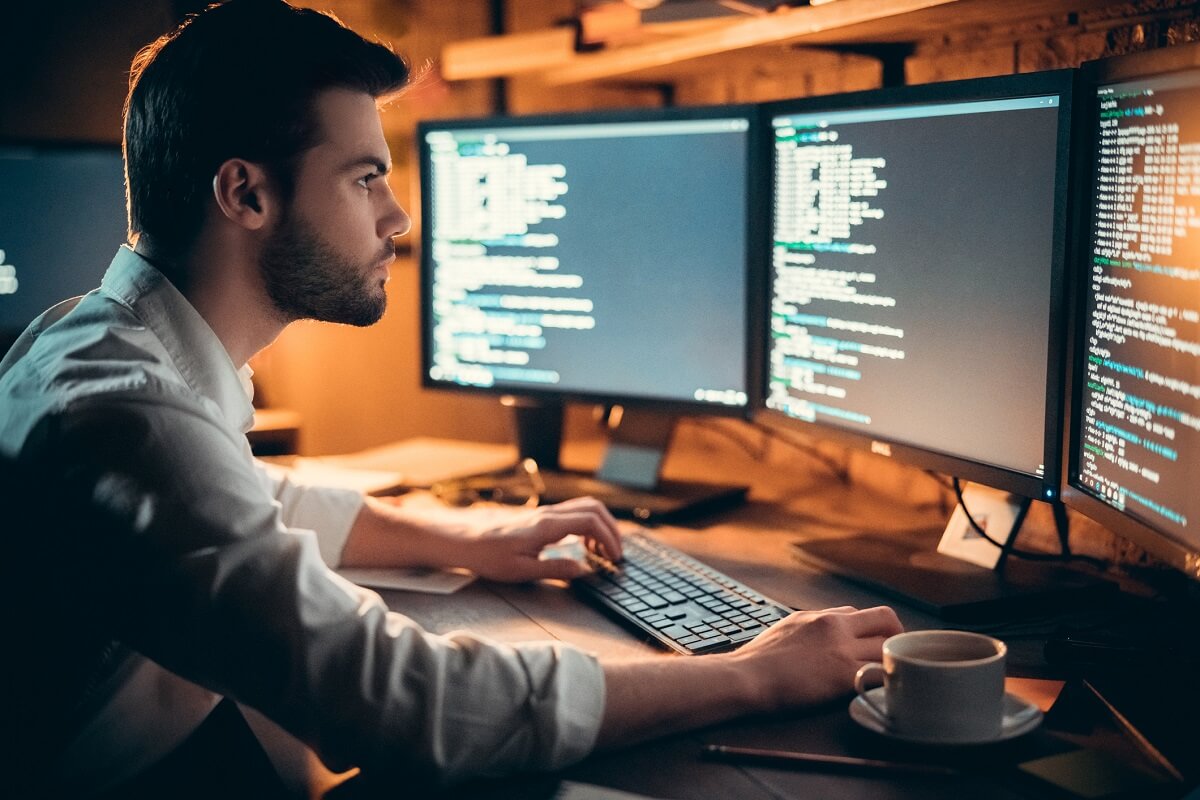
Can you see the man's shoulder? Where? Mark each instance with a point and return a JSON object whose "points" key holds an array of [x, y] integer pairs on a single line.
{"points": [[97, 338], [99, 352]]}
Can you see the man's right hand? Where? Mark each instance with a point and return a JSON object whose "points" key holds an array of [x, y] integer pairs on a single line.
{"points": [[811, 657]]}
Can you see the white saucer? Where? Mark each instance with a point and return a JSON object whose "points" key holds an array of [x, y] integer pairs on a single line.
{"points": [[1020, 718]]}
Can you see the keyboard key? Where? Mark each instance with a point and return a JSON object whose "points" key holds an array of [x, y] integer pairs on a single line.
{"points": [[713, 643], [675, 632]]}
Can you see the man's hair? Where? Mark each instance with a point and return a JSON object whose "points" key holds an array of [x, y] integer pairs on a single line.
{"points": [[237, 80]]}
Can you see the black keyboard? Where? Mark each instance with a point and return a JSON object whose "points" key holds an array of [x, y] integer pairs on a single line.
{"points": [[682, 603]]}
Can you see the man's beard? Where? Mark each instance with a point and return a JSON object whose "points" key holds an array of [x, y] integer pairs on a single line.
{"points": [[306, 279]]}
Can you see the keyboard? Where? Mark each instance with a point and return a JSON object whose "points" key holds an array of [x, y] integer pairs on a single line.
{"points": [[679, 601]]}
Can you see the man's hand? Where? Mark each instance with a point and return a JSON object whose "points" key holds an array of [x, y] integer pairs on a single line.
{"points": [[507, 545], [831, 645]]}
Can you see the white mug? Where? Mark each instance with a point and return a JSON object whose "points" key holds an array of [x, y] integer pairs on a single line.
{"points": [[938, 685]]}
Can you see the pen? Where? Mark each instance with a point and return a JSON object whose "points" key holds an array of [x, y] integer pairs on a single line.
{"points": [[815, 761]]}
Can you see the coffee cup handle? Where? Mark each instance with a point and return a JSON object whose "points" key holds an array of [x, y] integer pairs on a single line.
{"points": [[864, 683]]}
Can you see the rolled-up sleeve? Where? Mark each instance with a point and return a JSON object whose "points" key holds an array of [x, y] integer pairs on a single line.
{"points": [[201, 574], [327, 511]]}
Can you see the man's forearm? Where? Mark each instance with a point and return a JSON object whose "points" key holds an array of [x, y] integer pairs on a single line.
{"points": [[387, 536], [659, 696]]}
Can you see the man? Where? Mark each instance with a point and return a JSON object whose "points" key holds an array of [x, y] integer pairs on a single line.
{"points": [[255, 168]]}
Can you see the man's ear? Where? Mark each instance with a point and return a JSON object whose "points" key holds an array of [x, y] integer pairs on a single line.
{"points": [[243, 193]]}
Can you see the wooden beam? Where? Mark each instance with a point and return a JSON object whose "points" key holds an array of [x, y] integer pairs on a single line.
{"points": [[661, 47], [511, 54], [777, 28]]}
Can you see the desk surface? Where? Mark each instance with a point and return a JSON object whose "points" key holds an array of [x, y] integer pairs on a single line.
{"points": [[671, 768], [753, 544]]}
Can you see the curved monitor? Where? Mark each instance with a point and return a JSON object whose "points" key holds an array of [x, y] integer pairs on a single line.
{"points": [[600, 257], [916, 276], [1134, 430], [62, 217]]}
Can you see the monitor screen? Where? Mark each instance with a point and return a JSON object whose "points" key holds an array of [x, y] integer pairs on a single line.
{"points": [[600, 257], [915, 278], [1135, 422], [62, 218]]}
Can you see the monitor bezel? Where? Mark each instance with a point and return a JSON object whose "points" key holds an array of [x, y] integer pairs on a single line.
{"points": [[754, 269], [1162, 544], [1042, 487]]}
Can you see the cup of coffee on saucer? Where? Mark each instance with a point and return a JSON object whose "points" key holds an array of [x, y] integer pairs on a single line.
{"points": [[941, 687]]}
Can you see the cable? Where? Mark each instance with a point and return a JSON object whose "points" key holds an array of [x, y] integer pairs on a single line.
{"points": [[1063, 556], [1029, 555]]}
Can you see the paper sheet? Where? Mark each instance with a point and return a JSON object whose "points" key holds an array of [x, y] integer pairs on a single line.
{"points": [[430, 581]]}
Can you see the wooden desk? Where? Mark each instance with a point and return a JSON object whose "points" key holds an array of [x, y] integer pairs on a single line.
{"points": [[752, 544], [671, 768]]}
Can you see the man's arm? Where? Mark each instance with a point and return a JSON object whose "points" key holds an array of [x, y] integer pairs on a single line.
{"points": [[808, 659], [199, 575], [179, 553], [496, 543]]}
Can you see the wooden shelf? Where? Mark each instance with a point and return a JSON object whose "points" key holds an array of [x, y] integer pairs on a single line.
{"points": [[658, 51]]}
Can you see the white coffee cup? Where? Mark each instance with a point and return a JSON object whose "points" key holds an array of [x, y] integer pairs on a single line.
{"points": [[945, 686]]}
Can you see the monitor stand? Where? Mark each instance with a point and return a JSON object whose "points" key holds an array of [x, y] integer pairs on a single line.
{"points": [[909, 568], [628, 480]]}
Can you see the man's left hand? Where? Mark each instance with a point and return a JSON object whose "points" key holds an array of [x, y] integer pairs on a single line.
{"points": [[509, 548]]}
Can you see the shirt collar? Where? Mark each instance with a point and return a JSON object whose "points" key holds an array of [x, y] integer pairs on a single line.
{"points": [[196, 352]]}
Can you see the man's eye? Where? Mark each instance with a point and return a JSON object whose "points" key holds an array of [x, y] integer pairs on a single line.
{"points": [[365, 181]]}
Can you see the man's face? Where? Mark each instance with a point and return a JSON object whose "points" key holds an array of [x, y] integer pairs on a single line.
{"points": [[328, 257]]}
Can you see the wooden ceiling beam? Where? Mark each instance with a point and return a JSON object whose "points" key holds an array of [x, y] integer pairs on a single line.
{"points": [[510, 54], [551, 56], [781, 27]]}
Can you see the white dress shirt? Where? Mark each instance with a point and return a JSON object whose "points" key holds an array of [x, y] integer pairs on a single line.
{"points": [[226, 590]]}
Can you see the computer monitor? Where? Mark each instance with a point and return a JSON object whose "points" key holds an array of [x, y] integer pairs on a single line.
{"points": [[62, 217], [1134, 417], [916, 294], [603, 257]]}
